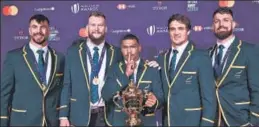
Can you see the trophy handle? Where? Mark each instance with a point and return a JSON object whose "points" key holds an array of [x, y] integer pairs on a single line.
{"points": [[117, 96]]}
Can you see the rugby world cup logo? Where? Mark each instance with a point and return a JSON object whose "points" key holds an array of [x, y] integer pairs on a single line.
{"points": [[151, 30], [75, 8]]}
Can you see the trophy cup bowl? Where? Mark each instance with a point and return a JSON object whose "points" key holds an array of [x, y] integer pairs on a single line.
{"points": [[132, 99]]}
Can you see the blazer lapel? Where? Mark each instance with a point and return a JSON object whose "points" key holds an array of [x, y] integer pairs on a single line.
{"points": [[182, 59], [109, 55], [122, 67], [139, 70], [142, 67], [83, 60], [234, 52], [212, 50], [54, 59], [166, 66], [185, 56], [31, 62]]}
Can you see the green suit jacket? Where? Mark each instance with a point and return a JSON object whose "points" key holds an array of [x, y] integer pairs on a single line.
{"points": [[24, 100], [75, 97], [148, 79], [190, 94], [238, 86]]}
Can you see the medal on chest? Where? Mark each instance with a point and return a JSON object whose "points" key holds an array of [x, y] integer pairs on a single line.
{"points": [[96, 81]]}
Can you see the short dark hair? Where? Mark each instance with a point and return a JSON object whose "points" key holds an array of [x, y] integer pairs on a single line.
{"points": [[223, 10], [129, 37], [180, 18], [97, 14], [39, 18]]}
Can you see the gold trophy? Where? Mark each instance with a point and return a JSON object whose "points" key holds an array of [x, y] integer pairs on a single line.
{"points": [[132, 99]]}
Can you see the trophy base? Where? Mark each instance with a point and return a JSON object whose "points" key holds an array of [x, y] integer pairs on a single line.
{"points": [[133, 121]]}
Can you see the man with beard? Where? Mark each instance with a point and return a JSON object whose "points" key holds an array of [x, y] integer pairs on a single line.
{"points": [[187, 77], [31, 80], [236, 72], [87, 62]]}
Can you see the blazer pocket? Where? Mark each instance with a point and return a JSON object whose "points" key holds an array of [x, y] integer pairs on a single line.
{"points": [[239, 67], [72, 99], [117, 110], [18, 110], [189, 77], [61, 107], [193, 109], [59, 74], [145, 82], [151, 114], [189, 72], [243, 103]]}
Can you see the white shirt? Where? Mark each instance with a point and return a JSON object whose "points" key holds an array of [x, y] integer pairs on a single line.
{"points": [[135, 70], [45, 49], [101, 73], [225, 49], [180, 50]]}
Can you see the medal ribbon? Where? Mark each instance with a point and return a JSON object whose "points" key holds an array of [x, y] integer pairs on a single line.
{"points": [[91, 58]]}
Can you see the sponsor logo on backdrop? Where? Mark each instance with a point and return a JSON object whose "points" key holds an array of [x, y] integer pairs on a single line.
{"points": [[255, 1], [153, 29], [118, 31], [54, 34], [239, 29], [125, 6], [192, 6], [201, 28], [159, 6], [83, 32], [225, 3], [20, 36], [76, 8], [11, 10], [42, 9]]}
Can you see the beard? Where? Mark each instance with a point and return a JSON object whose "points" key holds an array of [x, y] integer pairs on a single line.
{"points": [[38, 41], [223, 34], [95, 40]]}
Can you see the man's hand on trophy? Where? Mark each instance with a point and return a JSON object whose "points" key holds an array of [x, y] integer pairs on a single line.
{"points": [[64, 123], [151, 100], [130, 66]]}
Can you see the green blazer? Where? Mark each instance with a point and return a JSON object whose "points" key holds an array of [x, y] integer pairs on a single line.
{"points": [[148, 78], [24, 100], [190, 96], [75, 96], [238, 87]]}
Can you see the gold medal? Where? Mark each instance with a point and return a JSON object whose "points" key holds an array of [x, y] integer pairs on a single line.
{"points": [[96, 81]]}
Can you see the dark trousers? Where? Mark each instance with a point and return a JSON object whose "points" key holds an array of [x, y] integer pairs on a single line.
{"points": [[97, 118]]}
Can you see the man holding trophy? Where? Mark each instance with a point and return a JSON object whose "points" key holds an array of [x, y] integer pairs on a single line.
{"points": [[134, 88]]}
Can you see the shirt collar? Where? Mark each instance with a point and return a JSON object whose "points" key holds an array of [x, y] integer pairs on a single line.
{"points": [[227, 43], [137, 62], [35, 48]]}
